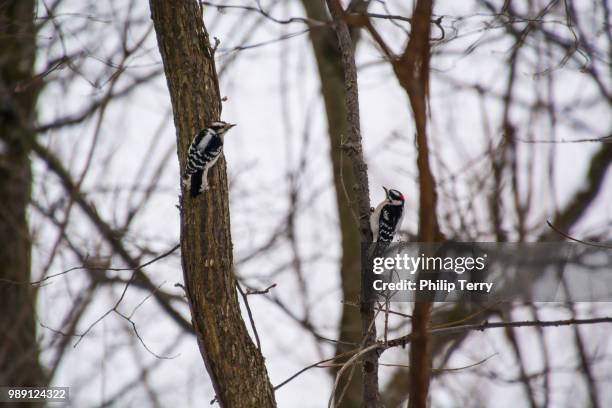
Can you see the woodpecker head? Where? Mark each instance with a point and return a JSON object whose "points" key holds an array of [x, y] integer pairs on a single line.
{"points": [[221, 127], [394, 196]]}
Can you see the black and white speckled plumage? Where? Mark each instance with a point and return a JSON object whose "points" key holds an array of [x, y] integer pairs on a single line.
{"points": [[386, 219], [204, 151]]}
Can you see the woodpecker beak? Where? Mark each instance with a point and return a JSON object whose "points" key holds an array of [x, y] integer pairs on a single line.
{"points": [[386, 191], [227, 127]]}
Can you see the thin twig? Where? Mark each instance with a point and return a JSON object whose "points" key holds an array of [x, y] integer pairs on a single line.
{"points": [[260, 292], [250, 313], [589, 243], [93, 268]]}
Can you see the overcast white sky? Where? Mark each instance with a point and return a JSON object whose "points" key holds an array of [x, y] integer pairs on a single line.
{"points": [[273, 95]]}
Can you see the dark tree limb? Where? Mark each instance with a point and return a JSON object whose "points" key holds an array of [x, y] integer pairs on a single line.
{"points": [[331, 74], [412, 71], [235, 365], [353, 146], [354, 150], [110, 234], [582, 199], [19, 365]]}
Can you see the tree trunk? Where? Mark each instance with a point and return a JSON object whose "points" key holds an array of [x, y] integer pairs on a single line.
{"points": [[19, 365], [331, 74], [236, 367], [354, 150]]}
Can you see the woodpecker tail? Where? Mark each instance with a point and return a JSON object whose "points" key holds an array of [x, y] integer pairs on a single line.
{"points": [[196, 182]]}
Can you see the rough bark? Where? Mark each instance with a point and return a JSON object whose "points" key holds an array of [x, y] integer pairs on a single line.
{"points": [[19, 365], [353, 148], [236, 367], [331, 73]]}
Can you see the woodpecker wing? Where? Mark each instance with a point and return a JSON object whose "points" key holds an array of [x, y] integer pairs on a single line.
{"points": [[204, 151], [210, 150], [204, 148]]}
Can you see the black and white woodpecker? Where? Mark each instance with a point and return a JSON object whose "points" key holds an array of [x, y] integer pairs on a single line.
{"points": [[204, 151], [386, 219]]}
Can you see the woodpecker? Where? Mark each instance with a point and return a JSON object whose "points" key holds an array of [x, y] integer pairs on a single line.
{"points": [[204, 151], [386, 219]]}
